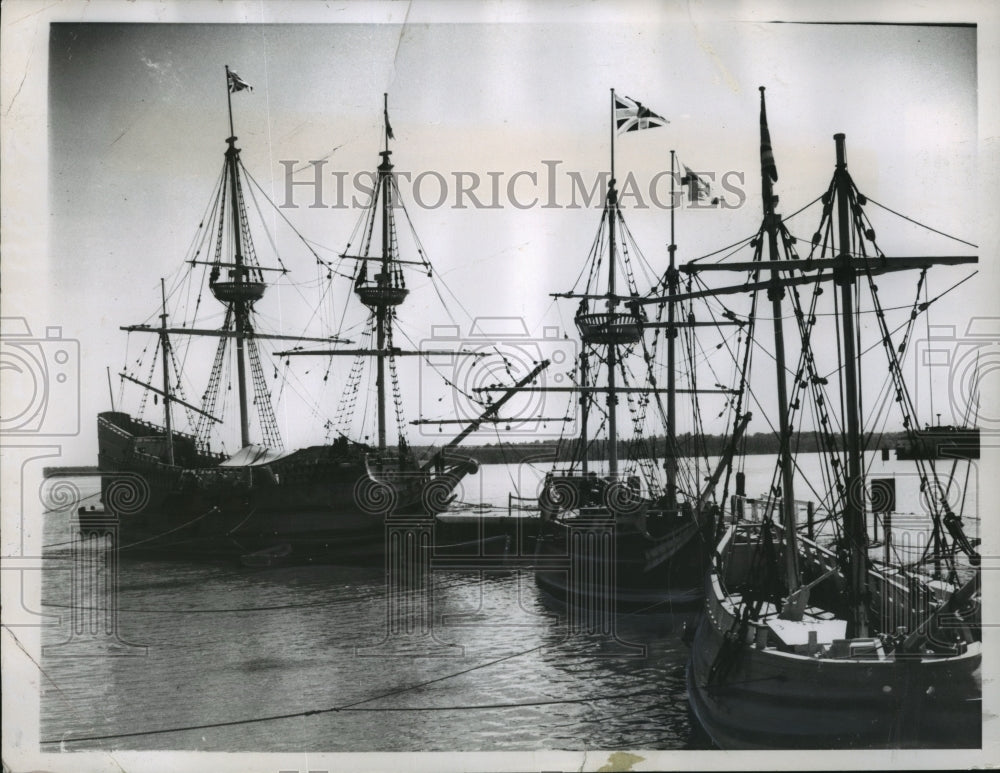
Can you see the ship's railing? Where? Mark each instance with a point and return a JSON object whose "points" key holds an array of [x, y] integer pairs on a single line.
{"points": [[158, 430], [897, 603], [757, 509], [235, 290], [517, 504], [609, 327], [376, 296]]}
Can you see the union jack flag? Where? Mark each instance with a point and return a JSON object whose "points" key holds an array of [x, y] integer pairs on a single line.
{"points": [[631, 116], [236, 83]]}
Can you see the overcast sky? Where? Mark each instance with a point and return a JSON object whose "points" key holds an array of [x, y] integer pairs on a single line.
{"points": [[137, 125]]}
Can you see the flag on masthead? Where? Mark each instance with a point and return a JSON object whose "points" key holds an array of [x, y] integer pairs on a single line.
{"points": [[236, 83], [631, 116], [766, 156]]}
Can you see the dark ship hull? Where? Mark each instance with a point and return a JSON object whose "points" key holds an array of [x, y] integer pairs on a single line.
{"points": [[632, 556], [941, 443], [322, 502], [762, 684]]}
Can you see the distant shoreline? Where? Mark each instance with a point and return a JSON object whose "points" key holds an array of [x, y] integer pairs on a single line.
{"points": [[504, 453], [68, 471]]}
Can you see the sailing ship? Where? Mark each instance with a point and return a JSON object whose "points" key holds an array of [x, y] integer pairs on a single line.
{"points": [[941, 441], [633, 540], [175, 496], [813, 640]]}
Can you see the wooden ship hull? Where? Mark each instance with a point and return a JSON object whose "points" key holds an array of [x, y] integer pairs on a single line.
{"points": [[941, 443], [774, 684], [634, 570], [326, 501], [633, 555]]}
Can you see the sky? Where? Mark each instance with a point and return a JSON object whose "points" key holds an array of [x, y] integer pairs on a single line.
{"points": [[137, 121]]}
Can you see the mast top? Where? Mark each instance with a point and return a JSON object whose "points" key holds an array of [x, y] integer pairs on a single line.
{"points": [[839, 138]]}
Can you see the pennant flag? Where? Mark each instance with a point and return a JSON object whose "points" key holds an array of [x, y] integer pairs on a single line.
{"points": [[388, 126], [767, 166], [236, 83], [631, 116]]}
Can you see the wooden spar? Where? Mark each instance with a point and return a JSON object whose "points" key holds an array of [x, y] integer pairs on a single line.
{"points": [[491, 420], [584, 411], [377, 258], [605, 389], [165, 353], [612, 399], [111, 392], [239, 305], [488, 413], [174, 399], [383, 352], [233, 265], [725, 459], [855, 529], [776, 294], [381, 311], [690, 323], [191, 331], [670, 452], [861, 267], [814, 264]]}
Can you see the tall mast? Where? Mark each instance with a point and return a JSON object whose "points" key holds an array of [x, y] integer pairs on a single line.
{"points": [[387, 290], [612, 346], [164, 351], [855, 528], [776, 293], [584, 409], [382, 311], [670, 454], [238, 273]]}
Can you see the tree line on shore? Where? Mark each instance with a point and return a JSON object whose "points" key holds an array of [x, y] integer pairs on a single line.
{"points": [[552, 450]]}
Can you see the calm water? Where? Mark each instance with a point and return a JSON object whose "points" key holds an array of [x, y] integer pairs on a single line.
{"points": [[219, 645], [222, 658]]}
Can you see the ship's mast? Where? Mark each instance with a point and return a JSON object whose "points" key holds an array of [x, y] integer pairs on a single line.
{"points": [[612, 303], [855, 528], [238, 273], [670, 453], [584, 409], [387, 290], [381, 312], [165, 354], [775, 294]]}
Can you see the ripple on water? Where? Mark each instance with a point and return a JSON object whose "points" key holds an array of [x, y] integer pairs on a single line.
{"points": [[228, 645]]}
